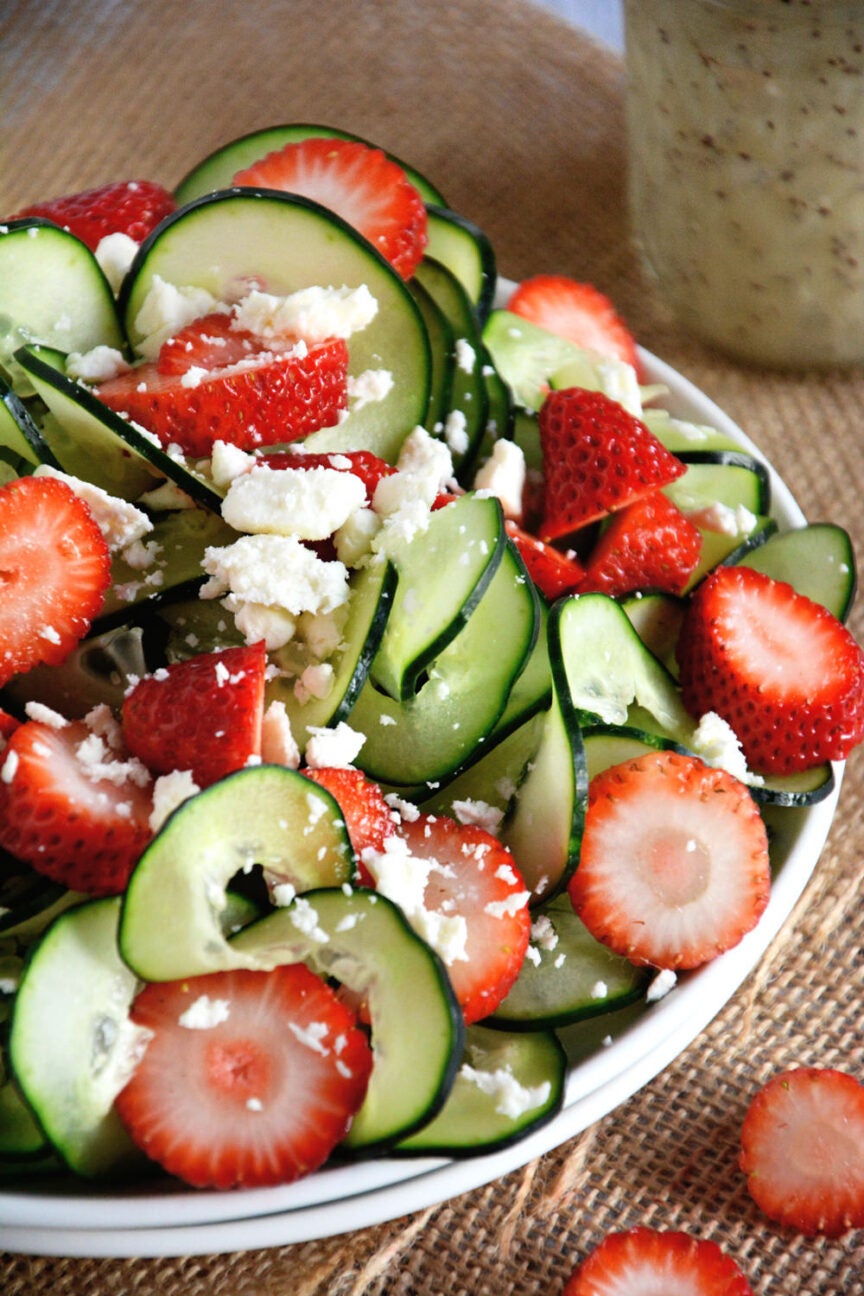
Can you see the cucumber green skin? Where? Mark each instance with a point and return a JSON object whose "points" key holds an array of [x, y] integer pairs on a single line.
{"points": [[463, 247], [441, 345], [73, 983], [417, 1026], [722, 476], [18, 432], [226, 240], [53, 291], [21, 1138], [218, 169], [171, 924], [817, 560], [435, 733], [469, 1124]]}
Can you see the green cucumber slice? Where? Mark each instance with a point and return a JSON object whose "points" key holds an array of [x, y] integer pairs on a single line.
{"points": [[657, 619], [817, 560], [228, 240], [21, 1138], [466, 251], [495, 775], [435, 597], [804, 788], [683, 437], [608, 745], [171, 924], [725, 477], [72, 1046], [19, 434], [434, 733], [90, 441], [365, 942], [507, 1086], [218, 169], [441, 345], [570, 977], [53, 291]]}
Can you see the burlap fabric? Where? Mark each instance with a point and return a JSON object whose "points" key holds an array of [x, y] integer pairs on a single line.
{"points": [[518, 118]]}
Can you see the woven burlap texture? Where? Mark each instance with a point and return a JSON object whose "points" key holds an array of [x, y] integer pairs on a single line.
{"points": [[518, 119]]}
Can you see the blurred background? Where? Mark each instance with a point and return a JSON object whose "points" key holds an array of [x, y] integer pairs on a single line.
{"points": [[603, 18]]}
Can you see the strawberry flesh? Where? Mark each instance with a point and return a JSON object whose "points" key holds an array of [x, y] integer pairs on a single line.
{"points": [[54, 572], [674, 865], [779, 668], [369, 820], [649, 1262], [250, 1078], [802, 1149], [203, 715], [576, 311], [553, 572], [649, 545], [131, 207]]}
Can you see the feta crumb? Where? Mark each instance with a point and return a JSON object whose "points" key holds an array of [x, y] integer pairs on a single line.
{"points": [[353, 539], [369, 387], [229, 461], [313, 314], [503, 474], [456, 432], [115, 254], [97, 365], [313, 1036], [277, 571], [310, 503], [466, 356], [513, 1099], [282, 894], [543, 933], [278, 745], [169, 792], [120, 522], [337, 747], [599, 990], [166, 310], [10, 767], [205, 1013], [45, 715], [402, 877], [480, 813], [509, 906], [663, 982], [716, 743], [316, 681]]}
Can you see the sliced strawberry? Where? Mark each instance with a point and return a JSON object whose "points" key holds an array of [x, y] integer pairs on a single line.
{"points": [[358, 182], [576, 311], [646, 1262], [553, 572], [8, 725], [802, 1149], [133, 207], [54, 572], [674, 864], [203, 714], [597, 458], [362, 463], [459, 887], [250, 1078], [649, 545], [209, 342], [72, 807], [264, 399], [368, 818], [780, 669]]}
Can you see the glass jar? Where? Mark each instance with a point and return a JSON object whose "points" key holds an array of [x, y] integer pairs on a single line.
{"points": [[746, 129]]}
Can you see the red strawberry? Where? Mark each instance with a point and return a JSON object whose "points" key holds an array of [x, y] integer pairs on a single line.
{"points": [[203, 714], [553, 572], [72, 807], [650, 544], [576, 311], [54, 571], [596, 458], [462, 876], [250, 1078], [209, 342], [133, 207], [358, 182], [674, 864], [266, 399], [368, 818], [786, 674], [802, 1149], [8, 725], [362, 463], [643, 1261]]}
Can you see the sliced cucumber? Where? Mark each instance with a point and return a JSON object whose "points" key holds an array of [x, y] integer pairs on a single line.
{"points": [[465, 250], [52, 291], [434, 733], [172, 920], [817, 560], [507, 1086], [218, 169], [441, 349], [608, 745], [228, 240], [728, 477], [72, 1045], [19, 433], [90, 441], [365, 942], [804, 788], [496, 773], [435, 597], [719, 548], [570, 977], [21, 1137], [683, 437], [657, 619]]}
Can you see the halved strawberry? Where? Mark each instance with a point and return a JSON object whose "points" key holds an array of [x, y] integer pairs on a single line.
{"points": [[368, 818], [209, 342], [459, 886], [362, 463], [73, 807], [250, 1078], [54, 571], [553, 572], [265, 398], [576, 311], [596, 458], [802, 1149], [358, 182], [674, 864], [8, 725], [203, 714], [649, 545], [779, 668], [648, 1262], [133, 207]]}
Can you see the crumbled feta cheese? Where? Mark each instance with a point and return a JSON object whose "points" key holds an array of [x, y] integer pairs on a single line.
{"points": [[10, 767], [734, 522], [543, 933], [480, 813], [312, 1036], [337, 747], [278, 745], [402, 878], [354, 538], [96, 365], [310, 503], [503, 475], [716, 743], [663, 982], [311, 313], [509, 906], [229, 461], [305, 919], [369, 387], [99, 764], [166, 310], [278, 571], [141, 554], [316, 681], [120, 522], [169, 792], [115, 254], [45, 715], [205, 1013], [282, 894], [466, 356], [456, 432], [512, 1098]]}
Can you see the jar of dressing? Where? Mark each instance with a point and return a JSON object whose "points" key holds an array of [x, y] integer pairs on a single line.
{"points": [[746, 131]]}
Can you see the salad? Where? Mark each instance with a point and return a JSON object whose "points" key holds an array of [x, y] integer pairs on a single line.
{"points": [[389, 681]]}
